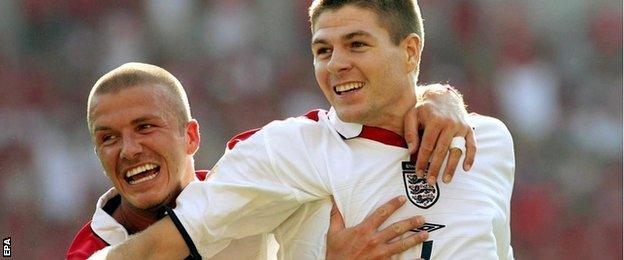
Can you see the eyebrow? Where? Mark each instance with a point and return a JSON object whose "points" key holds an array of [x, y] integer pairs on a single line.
{"points": [[101, 128], [142, 119], [345, 37], [134, 122]]}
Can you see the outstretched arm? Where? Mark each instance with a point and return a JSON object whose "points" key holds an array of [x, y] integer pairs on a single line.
{"points": [[441, 112], [161, 235]]}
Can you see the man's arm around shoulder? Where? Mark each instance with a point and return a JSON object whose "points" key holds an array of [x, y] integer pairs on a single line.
{"points": [[160, 241]]}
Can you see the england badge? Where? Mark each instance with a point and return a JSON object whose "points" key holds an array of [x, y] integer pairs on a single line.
{"points": [[419, 192]]}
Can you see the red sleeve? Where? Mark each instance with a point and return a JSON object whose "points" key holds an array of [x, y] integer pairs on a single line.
{"points": [[85, 243], [241, 137], [202, 174]]}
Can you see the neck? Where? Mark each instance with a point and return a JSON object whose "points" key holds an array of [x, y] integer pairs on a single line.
{"points": [[393, 119], [133, 219], [136, 220]]}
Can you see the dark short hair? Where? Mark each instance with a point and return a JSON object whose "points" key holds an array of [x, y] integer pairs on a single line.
{"points": [[133, 74], [399, 17]]}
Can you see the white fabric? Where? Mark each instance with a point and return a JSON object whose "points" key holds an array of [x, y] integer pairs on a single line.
{"points": [[104, 225], [280, 179], [458, 142], [474, 207]]}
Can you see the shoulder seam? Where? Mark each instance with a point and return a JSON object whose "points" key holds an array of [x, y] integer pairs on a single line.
{"points": [[241, 137], [312, 115]]}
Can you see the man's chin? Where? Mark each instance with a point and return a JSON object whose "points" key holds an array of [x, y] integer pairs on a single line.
{"points": [[350, 115], [151, 205]]}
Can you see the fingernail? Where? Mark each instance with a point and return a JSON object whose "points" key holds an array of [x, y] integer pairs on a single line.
{"points": [[447, 178], [402, 199], [424, 234], [409, 147], [431, 180], [469, 167], [420, 173]]}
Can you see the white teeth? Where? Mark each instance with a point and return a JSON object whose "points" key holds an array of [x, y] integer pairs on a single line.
{"points": [[146, 178], [140, 169], [349, 86]]}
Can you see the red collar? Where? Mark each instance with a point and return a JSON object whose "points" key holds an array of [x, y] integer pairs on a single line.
{"points": [[353, 130]]}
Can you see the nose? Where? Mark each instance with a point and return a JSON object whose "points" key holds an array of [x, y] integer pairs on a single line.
{"points": [[130, 148], [339, 62]]}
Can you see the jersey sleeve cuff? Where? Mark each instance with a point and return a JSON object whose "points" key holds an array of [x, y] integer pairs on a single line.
{"points": [[189, 224], [185, 235]]}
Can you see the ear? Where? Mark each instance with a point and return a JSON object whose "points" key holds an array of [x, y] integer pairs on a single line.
{"points": [[192, 137], [412, 47]]}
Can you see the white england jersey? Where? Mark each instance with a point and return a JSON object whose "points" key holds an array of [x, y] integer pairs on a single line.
{"points": [[279, 180], [113, 233], [466, 219]]}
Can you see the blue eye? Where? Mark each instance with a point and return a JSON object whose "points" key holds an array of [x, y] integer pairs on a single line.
{"points": [[322, 51], [358, 44], [107, 138], [144, 126]]}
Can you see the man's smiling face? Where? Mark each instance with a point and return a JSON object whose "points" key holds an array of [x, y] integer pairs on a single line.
{"points": [[361, 72], [142, 147]]}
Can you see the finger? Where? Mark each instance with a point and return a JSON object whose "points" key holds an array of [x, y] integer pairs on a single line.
{"points": [[381, 214], [427, 145], [437, 158], [410, 130], [451, 165], [471, 150], [336, 222], [399, 228], [407, 243]]}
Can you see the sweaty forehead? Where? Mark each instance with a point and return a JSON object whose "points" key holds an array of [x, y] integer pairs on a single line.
{"points": [[124, 104]]}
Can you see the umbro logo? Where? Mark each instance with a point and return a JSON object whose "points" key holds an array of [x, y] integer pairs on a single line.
{"points": [[429, 227]]}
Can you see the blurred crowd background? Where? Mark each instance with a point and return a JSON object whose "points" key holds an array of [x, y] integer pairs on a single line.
{"points": [[552, 70]]}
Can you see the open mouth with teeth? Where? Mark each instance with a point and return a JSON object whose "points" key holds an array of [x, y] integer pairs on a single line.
{"points": [[348, 87], [142, 173]]}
